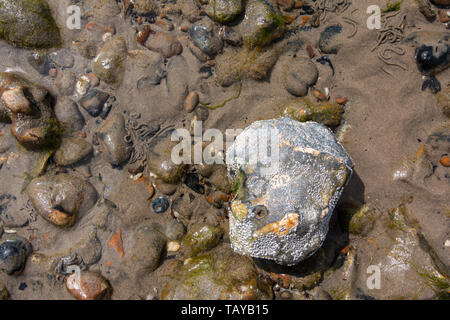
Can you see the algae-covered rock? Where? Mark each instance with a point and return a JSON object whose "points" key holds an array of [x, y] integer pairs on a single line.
{"points": [[109, 63], [235, 65], [224, 11], [200, 239], [326, 113], [220, 274], [262, 23], [285, 197], [28, 24]]}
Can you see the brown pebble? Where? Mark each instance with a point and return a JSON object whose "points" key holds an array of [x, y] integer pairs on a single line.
{"points": [[445, 161], [289, 18], [192, 101], [143, 34], [298, 4], [319, 95], [111, 29], [184, 28], [310, 51], [87, 285], [443, 16], [165, 188], [341, 100], [164, 24], [93, 79], [53, 72]]}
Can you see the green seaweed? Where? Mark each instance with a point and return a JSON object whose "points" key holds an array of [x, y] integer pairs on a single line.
{"points": [[394, 6], [237, 94]]}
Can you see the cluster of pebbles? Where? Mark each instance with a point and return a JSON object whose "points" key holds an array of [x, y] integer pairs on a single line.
{"points": [[106, 213]]}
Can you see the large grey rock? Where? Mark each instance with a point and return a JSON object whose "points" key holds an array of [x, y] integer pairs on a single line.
{"points": [[282, 208]]}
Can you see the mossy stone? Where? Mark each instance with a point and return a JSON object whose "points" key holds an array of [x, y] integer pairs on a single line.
{"points": [[28, 24]]}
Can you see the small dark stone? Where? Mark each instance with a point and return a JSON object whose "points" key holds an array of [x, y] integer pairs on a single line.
{"points": [[160, 205], [23, 286], [431, 83], [193, 182], [14, 252], [93, 102]]}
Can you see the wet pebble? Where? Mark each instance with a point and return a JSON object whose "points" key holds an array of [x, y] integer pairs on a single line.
{"points": [[71, 151], [192, 101], [112, 140], [94, 101], [108, 64], [165, 188], [40, 62], [224, 11], [82, 86], [61, 198], [14, 251], [28, 24], [298, 75], [65, 82], [262, 23], [88, 285], [190, 9], [445, 161], [203, 35], [175, 230], [164, 43], [231, 36], [201, 238], [62, 58], [160, 205], [148, 247], [328, 41], [67, 113]]}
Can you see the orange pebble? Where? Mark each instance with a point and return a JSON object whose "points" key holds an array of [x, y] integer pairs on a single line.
{"points": [[116, 242], [319, 95], [341, 100], [445, 161]]}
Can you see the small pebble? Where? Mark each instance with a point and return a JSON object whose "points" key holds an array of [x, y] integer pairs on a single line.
{"points": [[83, 85], [445, 161], [87, 285], [310, 51], [341, 100], [192, 101], [173, 246], [319, 95], [160, 205]]}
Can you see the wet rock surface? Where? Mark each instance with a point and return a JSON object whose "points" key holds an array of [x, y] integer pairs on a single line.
{"points": [[265, 218]]}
